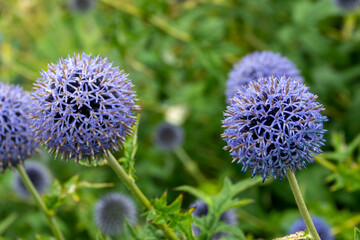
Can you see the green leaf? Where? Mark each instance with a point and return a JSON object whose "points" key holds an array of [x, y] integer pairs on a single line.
{"points": [[58, 193], [195, 192], [172, 215], [240, 203], [220, 203], [232, 229], [356, 233], [130, 148], [101, 236], [39, 237], [245, 184], [98, 163], [139, 232]]}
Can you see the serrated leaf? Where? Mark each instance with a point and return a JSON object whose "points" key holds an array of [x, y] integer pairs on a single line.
{"points": [[52, 199], [172, 215], [353, 145], [58, 193], [130, 148]]}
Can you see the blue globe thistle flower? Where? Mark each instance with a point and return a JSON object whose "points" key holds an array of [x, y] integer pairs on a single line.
{"points": [[83, 107], [258, 65], [347, 4], [17, 141], [111, 212], [321, 227], [39, 176], [81, 5], [201, 209], [168, 136], [273, 125]]}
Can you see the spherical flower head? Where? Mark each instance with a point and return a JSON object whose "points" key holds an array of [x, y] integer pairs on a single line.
{"points": [[321, 226], [39, 176], [81, 5], [168, 136], [347, 4], [83, 107], [111, 212], [273, 125], [17, 141], [258, 65], [201, 210]]}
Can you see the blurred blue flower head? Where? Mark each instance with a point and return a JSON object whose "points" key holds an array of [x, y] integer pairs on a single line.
{"points": [[274, 125], [168, 136], [39, 176], [321, 227], [83, 107], [17, 141], [258, 65], [81, 5], [111, 212], [347, 4], [201, 210]]}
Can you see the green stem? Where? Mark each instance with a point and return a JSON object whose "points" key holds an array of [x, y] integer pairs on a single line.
{"points": [[5, 223], [39, 201], [301, 204], [348, 26], [190, 165], [134, 189], [326, 163], [157, 21]]}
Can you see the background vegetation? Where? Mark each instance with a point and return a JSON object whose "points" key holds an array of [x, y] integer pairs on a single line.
{"points": [[179, 53]]}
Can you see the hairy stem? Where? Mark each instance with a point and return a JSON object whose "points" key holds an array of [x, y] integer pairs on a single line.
{"points": [[301, 205], [39, 201], [134, 189]]}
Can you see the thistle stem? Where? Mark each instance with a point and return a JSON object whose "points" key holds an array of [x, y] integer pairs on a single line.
{"points": [[190, 165], [39, 201], [301, 205], [157, 21], [348, 26], [134, 189]]}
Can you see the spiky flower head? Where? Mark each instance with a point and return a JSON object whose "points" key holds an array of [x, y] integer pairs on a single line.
{"points": [[273, 125], [258, 65], [168, 136], [81, 5], [39, 176], [347, 4], [111, 212], [201, 210], [321, 226], [16, 138], [83, 107]]}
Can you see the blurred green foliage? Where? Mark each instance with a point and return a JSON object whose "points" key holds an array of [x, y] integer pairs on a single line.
{"points": [[179, 53]]}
